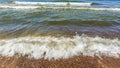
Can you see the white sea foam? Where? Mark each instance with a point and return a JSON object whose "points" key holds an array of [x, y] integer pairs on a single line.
{"points": [[55, 3], [59, 47], [4, 6]]}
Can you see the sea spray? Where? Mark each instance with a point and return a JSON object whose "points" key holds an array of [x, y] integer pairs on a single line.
{"points": [[49, 47]]}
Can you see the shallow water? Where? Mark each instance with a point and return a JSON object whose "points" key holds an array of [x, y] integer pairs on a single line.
{"points": [[47, 21]]}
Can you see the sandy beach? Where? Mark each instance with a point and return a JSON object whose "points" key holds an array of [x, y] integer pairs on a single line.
{"points": [[74, 62]]}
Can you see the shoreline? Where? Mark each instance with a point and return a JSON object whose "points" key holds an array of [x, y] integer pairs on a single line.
{"points": [[67, 35], [73, 62]]}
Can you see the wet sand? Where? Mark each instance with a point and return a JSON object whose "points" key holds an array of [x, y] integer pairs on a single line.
{"points": [[73, 62]]}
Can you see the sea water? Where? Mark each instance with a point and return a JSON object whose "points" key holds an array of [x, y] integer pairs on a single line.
{"points": [[59, 28]]}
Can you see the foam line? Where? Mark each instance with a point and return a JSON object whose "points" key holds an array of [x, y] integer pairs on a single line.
{"points": [[59, 47], [55, 3], [47, 7], [89, 8]]}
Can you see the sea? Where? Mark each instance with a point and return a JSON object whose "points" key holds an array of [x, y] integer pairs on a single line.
{"points": [[59, 28]]}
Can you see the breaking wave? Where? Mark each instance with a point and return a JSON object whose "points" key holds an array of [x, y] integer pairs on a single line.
{"points": [[54, 5], [51, 7], [49, 47]]}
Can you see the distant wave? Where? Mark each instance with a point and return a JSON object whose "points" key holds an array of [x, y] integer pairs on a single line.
{"points": [[56, 3], [53, 5], [3, 6], [60, 47]]}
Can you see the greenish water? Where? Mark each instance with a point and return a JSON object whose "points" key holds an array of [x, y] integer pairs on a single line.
{"points": [[15, 23]]}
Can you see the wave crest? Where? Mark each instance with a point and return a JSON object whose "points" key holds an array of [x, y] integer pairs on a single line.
{"points": [[60, 47], [55, 3], [2, 6]]}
